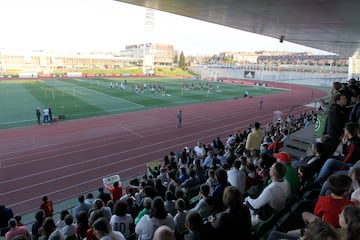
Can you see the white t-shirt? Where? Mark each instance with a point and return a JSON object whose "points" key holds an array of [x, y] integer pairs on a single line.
{"points": [[114, 235], [46, 112], [237, 178], [68, 230], [122, 224], [147, 225], [275, 194]]}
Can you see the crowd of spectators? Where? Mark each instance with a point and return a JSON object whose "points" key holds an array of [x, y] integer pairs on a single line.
{"points": [[224, 188]]}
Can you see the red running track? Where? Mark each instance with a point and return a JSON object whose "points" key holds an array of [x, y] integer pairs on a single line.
{"points": [[71, 157]]}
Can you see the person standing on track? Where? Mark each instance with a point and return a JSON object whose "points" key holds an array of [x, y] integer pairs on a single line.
{"points": [[261, 103], [47, 206], [38, 114], [179, 118], [50, 114], [46, 116]]}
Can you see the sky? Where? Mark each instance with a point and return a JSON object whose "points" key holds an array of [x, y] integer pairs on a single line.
{"points": [[107, 25]]}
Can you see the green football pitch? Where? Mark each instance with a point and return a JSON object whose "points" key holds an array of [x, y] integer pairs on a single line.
{"points": [[88, 97]]}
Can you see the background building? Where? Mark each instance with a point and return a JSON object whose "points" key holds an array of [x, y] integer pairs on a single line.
{"points": [[152, 53], [49, 62]]}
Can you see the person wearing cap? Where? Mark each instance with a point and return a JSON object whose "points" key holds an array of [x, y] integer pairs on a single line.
{"points": [[291, 174], [276, 143], [264, 149]]}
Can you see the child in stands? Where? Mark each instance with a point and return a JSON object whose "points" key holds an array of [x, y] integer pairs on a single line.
{"points": [[329, 207], [211, 181], [349, 221]]}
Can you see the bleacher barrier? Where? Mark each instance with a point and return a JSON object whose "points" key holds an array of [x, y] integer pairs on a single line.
{"points": [[299, 143]]}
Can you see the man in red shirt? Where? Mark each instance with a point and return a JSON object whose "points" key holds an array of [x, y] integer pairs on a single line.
{"points": [[116, 191], [47, 207]]}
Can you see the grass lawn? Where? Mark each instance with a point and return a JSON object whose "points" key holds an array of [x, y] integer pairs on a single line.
{"points": [[88, 97]]}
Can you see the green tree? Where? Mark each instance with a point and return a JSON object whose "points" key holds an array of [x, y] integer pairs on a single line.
{"points": [[182, 61]]}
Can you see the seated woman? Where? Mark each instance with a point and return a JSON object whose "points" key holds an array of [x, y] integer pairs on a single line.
{"points": [[235, 220]]}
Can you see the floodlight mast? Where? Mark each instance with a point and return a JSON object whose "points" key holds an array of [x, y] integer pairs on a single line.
{"points": [[148, 57]]}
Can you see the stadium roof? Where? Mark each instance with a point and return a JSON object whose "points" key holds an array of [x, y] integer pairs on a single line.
{"points": [[329, 25]]}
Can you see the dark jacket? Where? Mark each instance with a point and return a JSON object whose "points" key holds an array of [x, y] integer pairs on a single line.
{"points": [[232, 223], [335, 121], [311, 165], [205, 233], [355, 113]]}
